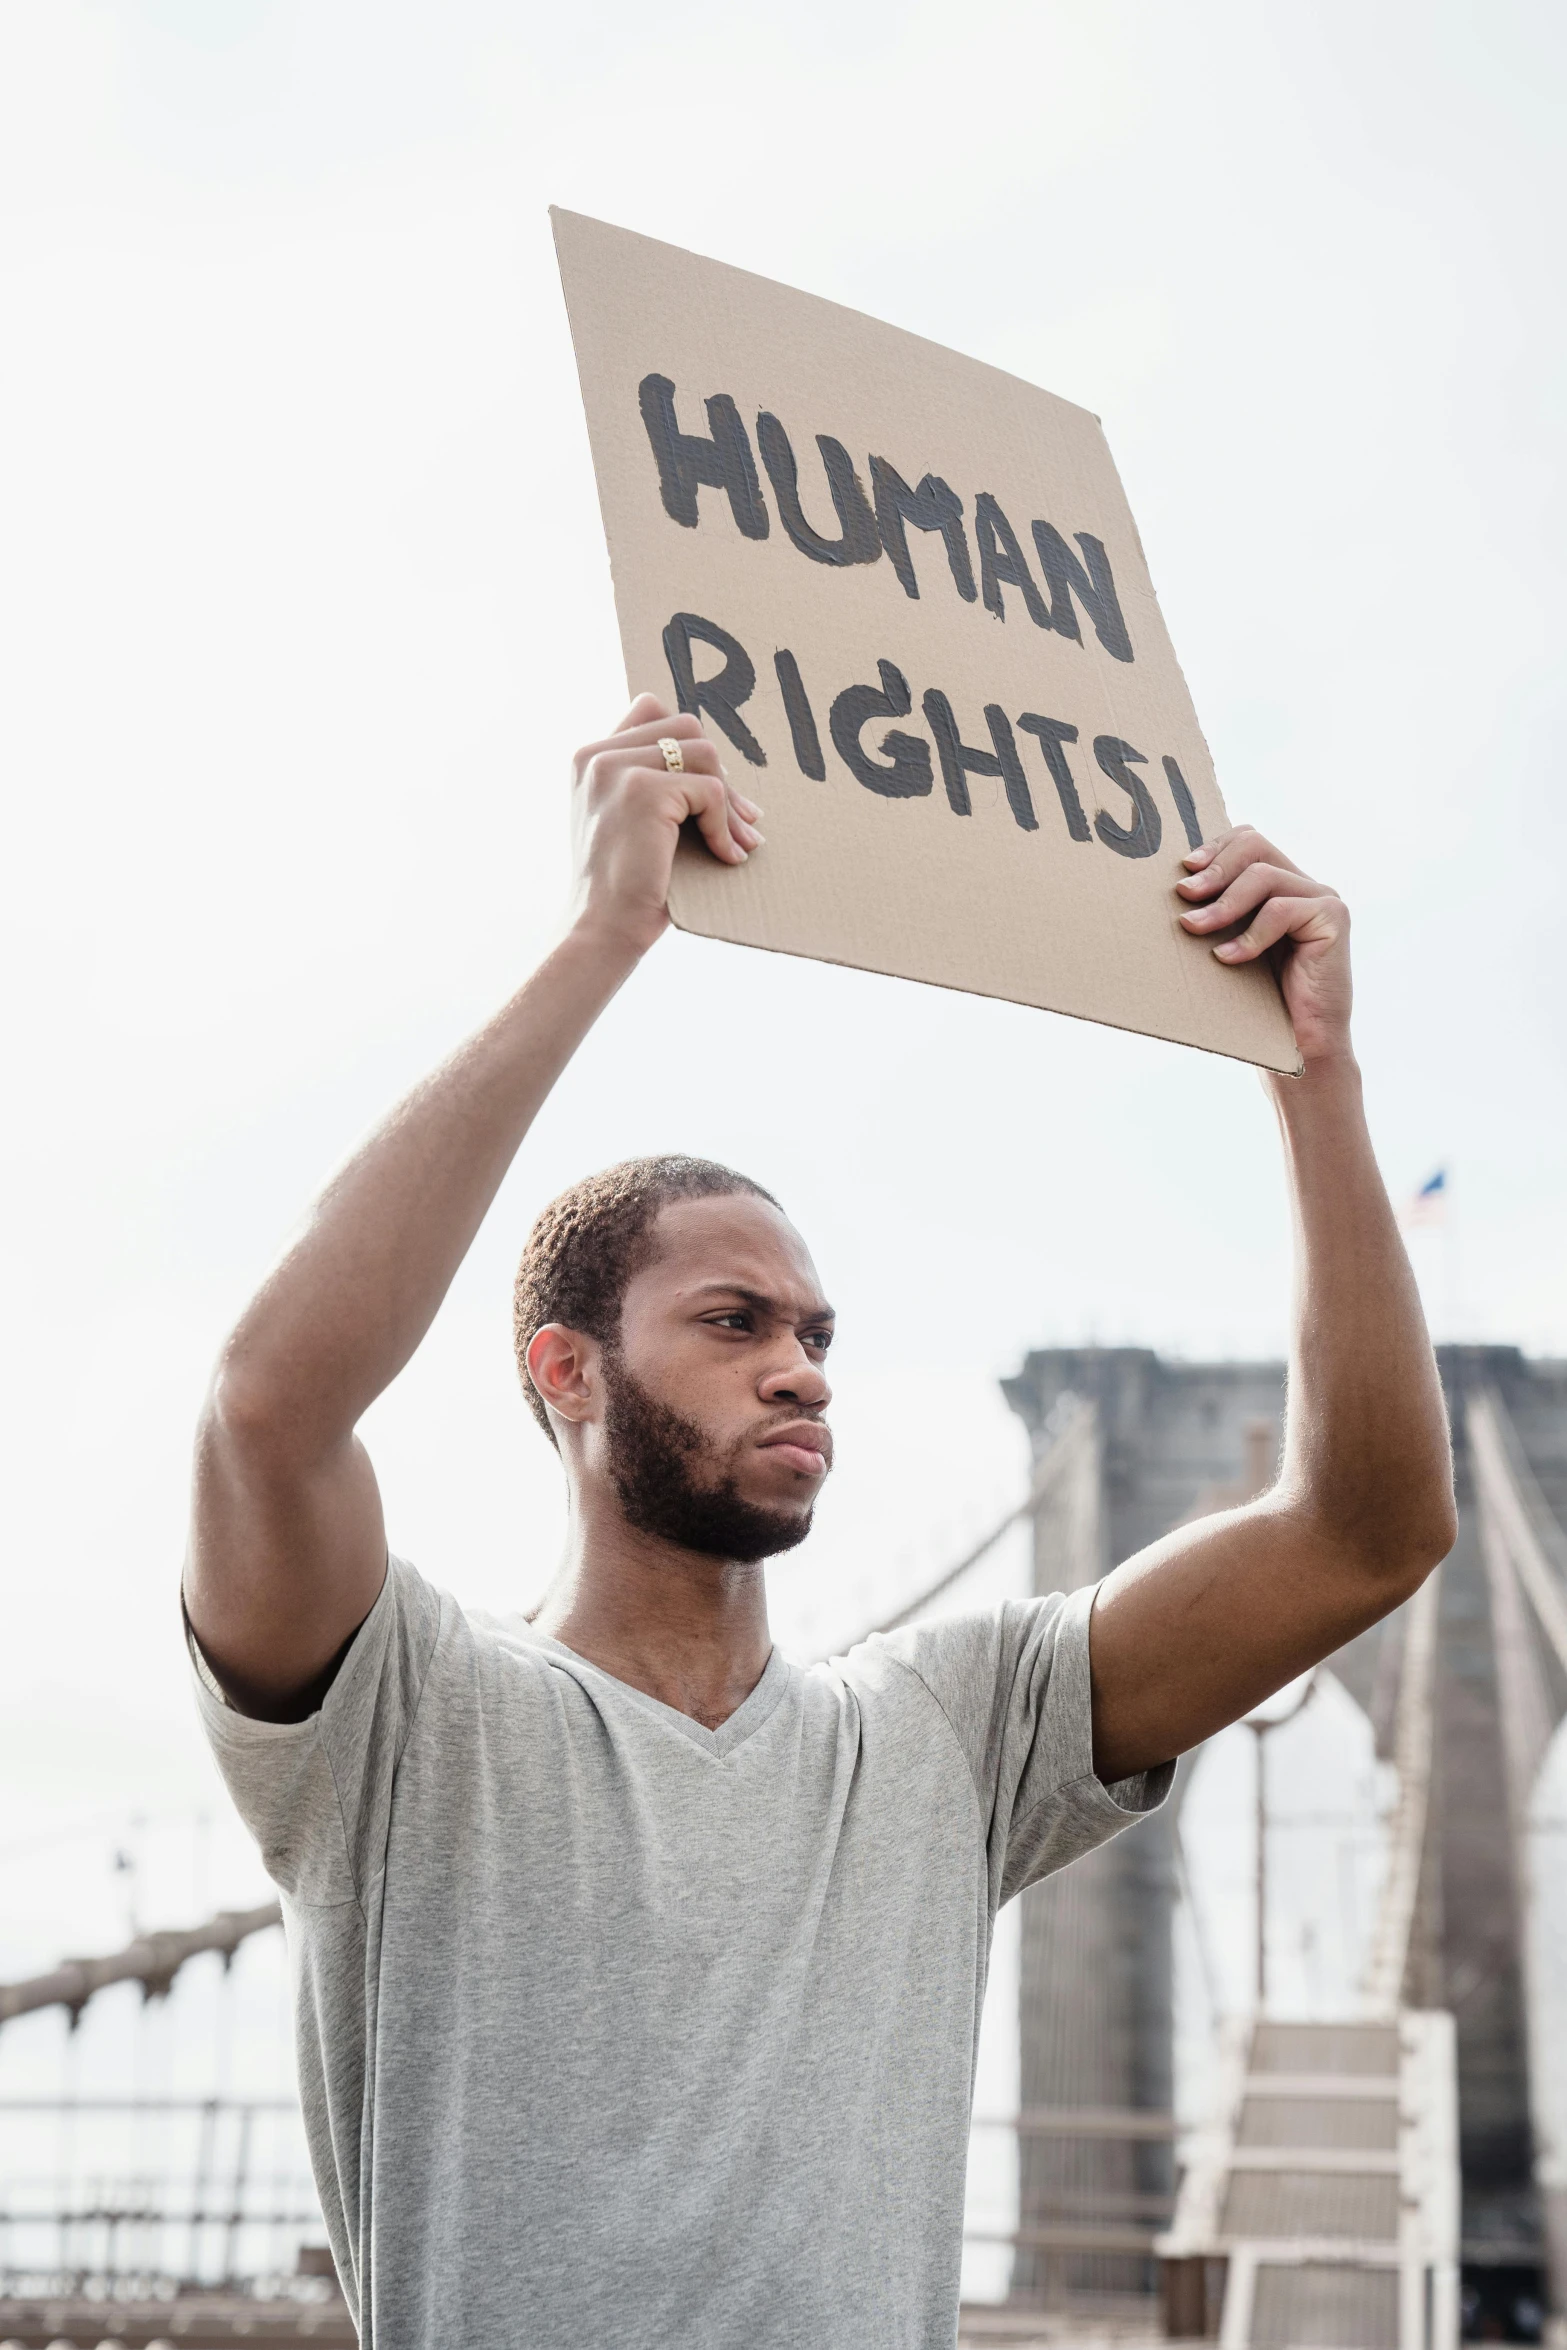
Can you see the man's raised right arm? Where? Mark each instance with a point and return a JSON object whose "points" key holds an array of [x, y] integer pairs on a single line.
{"points": [[288, 1548]]}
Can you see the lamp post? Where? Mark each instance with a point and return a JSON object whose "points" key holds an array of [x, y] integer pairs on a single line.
{"points": [[1295, 1699]]}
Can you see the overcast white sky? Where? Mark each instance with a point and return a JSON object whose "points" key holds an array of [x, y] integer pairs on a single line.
{"points": [[303, 604]]}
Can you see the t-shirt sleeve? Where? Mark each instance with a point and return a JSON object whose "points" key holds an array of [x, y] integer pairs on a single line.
{"points": [[1014, 1686], [317, 1794]]}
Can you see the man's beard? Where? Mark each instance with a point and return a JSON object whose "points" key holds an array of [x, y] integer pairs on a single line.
{"points": [[656, 1459]]}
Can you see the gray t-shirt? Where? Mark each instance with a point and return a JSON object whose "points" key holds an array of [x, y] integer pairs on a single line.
{"points": [[617, 2030]]}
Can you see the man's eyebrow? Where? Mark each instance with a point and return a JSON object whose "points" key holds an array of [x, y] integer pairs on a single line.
{"points": [[760, 1299]]}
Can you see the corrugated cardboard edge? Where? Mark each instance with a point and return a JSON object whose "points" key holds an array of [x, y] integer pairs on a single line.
{"points": [[994, 996]]}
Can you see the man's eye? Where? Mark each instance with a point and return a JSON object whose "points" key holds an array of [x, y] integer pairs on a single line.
{"points": [[821, 1339], [734, 1321]]}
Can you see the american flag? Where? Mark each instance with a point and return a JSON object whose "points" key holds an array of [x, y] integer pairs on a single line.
{"points": [[1427, 1205]]}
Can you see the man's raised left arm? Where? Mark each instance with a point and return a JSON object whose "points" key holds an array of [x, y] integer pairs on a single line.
{"points": [[1200, 1627]]}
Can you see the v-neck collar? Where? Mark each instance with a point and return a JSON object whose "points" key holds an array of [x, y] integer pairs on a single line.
{"points": [[747, 1717]]}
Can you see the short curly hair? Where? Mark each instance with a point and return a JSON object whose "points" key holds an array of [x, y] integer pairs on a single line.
{"points": [[587, 1244]]}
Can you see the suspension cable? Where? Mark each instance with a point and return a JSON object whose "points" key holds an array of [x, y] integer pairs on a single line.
{"points": [[153, 1960]]}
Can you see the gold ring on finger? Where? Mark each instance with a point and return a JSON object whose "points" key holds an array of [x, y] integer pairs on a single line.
{"points": [[674, 756]]}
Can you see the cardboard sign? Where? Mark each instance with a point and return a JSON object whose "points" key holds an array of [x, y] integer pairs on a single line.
{"points": [[906, 595]]}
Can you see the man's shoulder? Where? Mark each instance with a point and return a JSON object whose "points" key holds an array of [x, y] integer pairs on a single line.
{"points": [[476, 1644], [963, 1656], [976, 1670], [420, 1653]]}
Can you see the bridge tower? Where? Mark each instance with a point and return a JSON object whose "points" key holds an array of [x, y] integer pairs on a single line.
{"points": [[1145, 1444]]}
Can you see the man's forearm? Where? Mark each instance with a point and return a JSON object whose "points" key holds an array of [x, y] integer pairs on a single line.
{"points": [[1367, 1446], [346, 1307]]}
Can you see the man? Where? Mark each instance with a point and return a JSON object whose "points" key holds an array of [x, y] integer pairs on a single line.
{"points": [[638, 1971]]}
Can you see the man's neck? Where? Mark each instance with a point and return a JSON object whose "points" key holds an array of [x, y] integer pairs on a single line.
{"points": [[686, 1629]]}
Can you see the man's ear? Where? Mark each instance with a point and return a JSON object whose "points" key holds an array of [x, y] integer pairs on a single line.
{"points": [[563, 1365]]}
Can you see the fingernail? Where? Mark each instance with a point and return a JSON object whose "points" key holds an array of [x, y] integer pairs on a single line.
{"points": [[1228, 952]]}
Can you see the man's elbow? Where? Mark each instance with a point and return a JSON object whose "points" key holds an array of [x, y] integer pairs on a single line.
{"points": [[248, 1417], [1416, 1554], [1424, 1518], [1438, 1536], [1402, 1539]]}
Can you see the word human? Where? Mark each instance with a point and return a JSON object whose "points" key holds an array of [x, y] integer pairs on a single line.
{"points": [[901, 766], [878, 521]]}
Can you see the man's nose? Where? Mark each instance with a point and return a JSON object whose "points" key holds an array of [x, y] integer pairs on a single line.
{"points": [[800, 1380]]}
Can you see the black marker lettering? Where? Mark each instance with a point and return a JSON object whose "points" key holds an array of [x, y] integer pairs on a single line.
{"points": [[904, 772], [1094, 589], [1002, 562], [1141, 839], [1053, 734], [1185, 805], [722, 695], [931, 507], [959, 759], [858, 539], [801, 717], [686, 460]]}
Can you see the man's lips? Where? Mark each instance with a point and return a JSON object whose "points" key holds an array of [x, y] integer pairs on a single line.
{"points": [[805, 1444]]}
